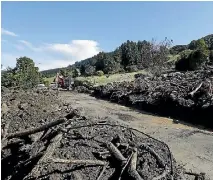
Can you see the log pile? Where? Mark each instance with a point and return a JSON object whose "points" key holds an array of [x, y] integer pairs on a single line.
{"points": [[69, 146], [186, 96]]}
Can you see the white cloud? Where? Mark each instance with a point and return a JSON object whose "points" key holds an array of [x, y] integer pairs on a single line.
{"points": [[29, 45], [49, 56], [77, 49], [9, 33], [52, 64]]}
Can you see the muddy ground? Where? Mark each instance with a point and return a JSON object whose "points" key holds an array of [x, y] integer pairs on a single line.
{"points": [[191, 146]]}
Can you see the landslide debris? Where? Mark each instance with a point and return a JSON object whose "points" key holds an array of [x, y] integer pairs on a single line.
{"points": [[183, 95], [44, 138]]}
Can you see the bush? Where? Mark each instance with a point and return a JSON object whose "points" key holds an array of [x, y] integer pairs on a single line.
{"points": [[100, 73], [185, 53], [82, 83], [46, 83], [177, 49], [132, 68], [195, 60]]}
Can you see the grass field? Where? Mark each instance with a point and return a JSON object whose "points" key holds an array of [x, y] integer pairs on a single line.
{"points": [[101, 80]]}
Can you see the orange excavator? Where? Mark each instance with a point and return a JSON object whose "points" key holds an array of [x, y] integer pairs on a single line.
{"points": [[64, 82]]}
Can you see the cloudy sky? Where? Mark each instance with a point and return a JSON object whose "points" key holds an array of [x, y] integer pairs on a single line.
{"points": [[56, 34]]}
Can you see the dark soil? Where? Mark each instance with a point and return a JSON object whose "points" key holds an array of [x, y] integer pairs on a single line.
{"points": [[40, 155]]}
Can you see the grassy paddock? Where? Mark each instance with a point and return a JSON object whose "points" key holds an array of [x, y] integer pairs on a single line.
{"points": [[101, 80]]}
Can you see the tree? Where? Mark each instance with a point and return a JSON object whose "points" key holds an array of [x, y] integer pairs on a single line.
{"points": [[89, 70], [76, 72], [195, 60], [63, 72], [200, 44], [25, 75], [28, 74]]}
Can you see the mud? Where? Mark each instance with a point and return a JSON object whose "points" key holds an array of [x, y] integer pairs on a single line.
{"points": [[33, 147]]}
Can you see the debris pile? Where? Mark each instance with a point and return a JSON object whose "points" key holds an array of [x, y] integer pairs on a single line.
{"points": [[83, 89], [43, 138], [186, 96]]}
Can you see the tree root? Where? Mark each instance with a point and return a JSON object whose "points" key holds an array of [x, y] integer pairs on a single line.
{"points": [[35, 130]]}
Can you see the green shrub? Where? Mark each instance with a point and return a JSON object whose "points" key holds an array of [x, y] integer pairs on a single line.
{"points": [[85, 83], [195, 60], [132, 68], [46, 83], [185, 53], [100, 73]]}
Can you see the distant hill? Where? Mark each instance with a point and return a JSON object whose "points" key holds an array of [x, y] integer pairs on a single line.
{"points": [[128, 57]]}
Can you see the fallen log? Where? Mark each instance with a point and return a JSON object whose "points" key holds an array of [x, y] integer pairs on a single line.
{"points": [[35, 130], [133, 173], [85, 162], [116, 153], [48, 153], [193, 92], [102, 172], [124, 168]]}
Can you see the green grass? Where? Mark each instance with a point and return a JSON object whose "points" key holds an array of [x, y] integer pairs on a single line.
{"points": [[49, 79], [102, 80], [173, 58]]}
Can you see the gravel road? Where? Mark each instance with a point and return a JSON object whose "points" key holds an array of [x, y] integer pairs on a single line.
{"points": [[192, 147]]}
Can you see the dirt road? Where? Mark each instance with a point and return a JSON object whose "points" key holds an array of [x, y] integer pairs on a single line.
{"points": [[191, 147]]}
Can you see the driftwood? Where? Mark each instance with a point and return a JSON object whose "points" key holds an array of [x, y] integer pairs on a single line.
{"points": [[116, 153], [5, 131], [85, 162], [50, 150], [127, 163], [132, 167], [193, 92], [102, 172], [35, 130]]}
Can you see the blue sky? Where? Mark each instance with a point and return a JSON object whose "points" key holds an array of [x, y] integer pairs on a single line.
{"points": [[55, 34]]}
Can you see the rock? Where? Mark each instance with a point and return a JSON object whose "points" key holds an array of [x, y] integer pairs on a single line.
{"points": [[23, 106], [4, 108]]}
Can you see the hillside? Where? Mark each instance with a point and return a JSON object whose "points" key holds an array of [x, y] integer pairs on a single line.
{"points": [[191, 46], [131, 56]]}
